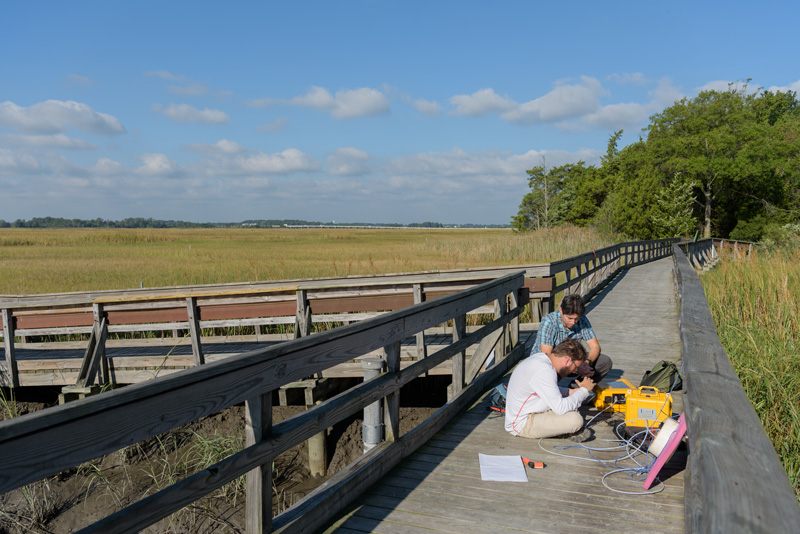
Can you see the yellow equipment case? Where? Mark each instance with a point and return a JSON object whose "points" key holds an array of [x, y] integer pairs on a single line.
{"points": [[643, 406]]}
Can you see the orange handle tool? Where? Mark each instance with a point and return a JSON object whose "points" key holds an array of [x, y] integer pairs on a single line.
{"points": [[532, 464]]}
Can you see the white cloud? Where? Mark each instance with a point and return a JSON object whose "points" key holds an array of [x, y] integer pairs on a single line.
{"points": [[157, 165], [480, 103], [255, 163], [107, 167], [54, 116], [13, 163], [345, 104], [786, 88], [483, 165], [45, 141], [426, 107], [223, 146], [617, 116], [567, 100], [189, 114], [348, 161]]}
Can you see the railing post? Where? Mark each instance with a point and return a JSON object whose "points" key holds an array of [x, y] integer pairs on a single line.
{"points": [[101, 330], [500, 309], [258, 427], [194, 331], [392, 400], [459, 360], [302, 320], [8, 340], [422, 350], [372, 427], [514, 326]]}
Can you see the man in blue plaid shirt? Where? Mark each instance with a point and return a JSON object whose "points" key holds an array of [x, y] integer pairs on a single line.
{"points": [[569, 322]]}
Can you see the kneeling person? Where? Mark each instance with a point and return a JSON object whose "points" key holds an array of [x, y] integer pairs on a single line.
{"points": [[536, 406]]}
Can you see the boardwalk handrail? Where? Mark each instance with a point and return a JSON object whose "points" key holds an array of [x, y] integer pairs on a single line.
{"points": [[737, 483], [42, 444]]}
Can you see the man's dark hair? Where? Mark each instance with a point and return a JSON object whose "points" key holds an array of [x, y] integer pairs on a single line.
{"points": [[573, 304], [571, 348]]}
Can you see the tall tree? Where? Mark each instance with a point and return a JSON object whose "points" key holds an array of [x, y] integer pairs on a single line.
{"points": [[537, 209], [717, 142]]}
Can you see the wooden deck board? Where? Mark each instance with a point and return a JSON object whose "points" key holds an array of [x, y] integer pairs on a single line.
{"points": [[439, 488]]}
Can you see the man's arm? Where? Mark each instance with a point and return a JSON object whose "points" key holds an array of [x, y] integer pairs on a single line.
{"points": [[547, 349], [594, 350]]}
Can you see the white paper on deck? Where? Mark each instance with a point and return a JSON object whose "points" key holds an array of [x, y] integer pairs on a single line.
{"points": [[502, 468]]}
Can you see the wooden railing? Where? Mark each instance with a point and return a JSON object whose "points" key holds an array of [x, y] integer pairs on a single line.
{"points": [[736, 481], [42, 444]]}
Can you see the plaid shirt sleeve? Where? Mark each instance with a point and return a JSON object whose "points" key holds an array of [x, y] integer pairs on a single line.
{"points": [[548, 332]]}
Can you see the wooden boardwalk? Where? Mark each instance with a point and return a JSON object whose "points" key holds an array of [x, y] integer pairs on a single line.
{"points": [[439, 487]]}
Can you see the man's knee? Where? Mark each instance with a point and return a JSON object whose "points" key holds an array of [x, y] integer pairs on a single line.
{"points": [[573, 421], [602, 366]]}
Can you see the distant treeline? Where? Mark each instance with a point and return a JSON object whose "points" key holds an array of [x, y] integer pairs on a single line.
{"points": [[140, 222]]}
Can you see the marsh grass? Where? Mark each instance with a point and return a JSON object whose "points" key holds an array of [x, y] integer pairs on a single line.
{"points": [[60, 260], [754, 305]]}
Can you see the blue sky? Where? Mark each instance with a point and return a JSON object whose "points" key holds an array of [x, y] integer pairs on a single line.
{"points": [[361, 111]]}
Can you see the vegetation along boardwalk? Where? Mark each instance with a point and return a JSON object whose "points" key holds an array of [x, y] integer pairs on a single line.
{"points": [[440, 488]]}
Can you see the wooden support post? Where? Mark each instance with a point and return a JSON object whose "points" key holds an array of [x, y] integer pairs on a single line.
{"points": [[8, 341], [392, 400], [422, 350], [194, 331], [101, 330], [318, 452], [500, 309], [584, 288], [459, 332], [302, 319], [258, 427], [372, 428], [513, 336]]}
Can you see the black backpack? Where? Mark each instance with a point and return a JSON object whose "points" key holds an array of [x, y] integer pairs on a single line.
{"points": [[665, 376]]}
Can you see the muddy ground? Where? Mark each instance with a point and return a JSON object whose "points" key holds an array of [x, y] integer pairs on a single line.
{"points": [[78, 497]]}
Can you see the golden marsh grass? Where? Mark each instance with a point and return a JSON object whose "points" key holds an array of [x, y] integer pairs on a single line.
{"points": [[60, 260]]}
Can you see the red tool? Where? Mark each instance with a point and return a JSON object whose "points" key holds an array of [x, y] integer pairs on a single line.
{"points": [[532, 464]]}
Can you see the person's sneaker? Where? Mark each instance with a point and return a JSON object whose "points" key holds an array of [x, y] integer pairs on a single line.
{"points": [[581, 436], [590, 399]]}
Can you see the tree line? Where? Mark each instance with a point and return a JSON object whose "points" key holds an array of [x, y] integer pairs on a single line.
{"points": [[140, 222], [725, 163]]}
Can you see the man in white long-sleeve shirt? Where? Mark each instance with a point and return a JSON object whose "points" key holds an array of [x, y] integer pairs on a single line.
{"points": [[536, 407]]}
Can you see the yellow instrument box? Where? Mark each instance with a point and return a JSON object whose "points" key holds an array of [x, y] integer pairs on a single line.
{"points": [[643, 406], [647, 406], [612, 393]]}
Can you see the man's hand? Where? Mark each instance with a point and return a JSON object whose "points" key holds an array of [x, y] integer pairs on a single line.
{"points": [[585, 382], [585, 370]]}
